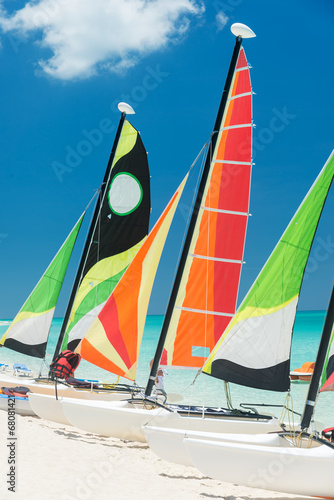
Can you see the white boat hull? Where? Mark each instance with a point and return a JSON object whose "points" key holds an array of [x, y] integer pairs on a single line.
{"points": [[260, 463], [118, 419], [168, 443], [125, 420], [22, 405], [46, 406]]}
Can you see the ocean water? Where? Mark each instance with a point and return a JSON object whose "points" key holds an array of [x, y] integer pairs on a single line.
{"points": [[206, 390]]}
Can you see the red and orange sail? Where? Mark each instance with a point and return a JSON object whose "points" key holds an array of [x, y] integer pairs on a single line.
{"points": [[113, 340], [207, 295]]}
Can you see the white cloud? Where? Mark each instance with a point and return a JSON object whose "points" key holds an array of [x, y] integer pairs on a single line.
{"points": [[86, 35], [221, 20]]}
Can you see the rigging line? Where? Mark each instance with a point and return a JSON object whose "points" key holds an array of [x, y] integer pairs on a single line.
{"points": [[202, 151], [207, 261], [93, 197], [98, 250], [96, 194]]}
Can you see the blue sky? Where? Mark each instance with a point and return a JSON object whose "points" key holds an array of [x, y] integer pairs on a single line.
{"points": [[66, 64]]}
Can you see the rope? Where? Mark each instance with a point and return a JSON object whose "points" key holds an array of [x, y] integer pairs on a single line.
{"points": [[287, 411], [228, 395]]}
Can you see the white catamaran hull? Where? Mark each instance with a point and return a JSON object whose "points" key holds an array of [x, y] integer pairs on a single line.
{"points": [[118, 419], [125, 420], [49, 408], [21, 406], [272, 464], [169, 443]]}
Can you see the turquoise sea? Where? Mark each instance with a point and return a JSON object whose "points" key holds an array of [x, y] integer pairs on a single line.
{"points": [[206, 390]]}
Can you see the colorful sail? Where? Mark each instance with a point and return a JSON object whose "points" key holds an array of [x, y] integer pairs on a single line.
{"points": [[254, 351], [120, 229], [29, 330], [207, 294], [113, 340], [327, 381]]}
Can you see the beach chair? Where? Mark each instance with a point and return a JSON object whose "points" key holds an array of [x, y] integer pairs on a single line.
{"points": [[3, 366], [20, 369]]}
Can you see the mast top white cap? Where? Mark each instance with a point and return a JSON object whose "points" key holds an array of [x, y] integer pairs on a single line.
{"points": [[242, 30], [126, 108]]}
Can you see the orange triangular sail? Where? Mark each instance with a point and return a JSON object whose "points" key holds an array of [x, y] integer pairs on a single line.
{"points": [[113, 340]]}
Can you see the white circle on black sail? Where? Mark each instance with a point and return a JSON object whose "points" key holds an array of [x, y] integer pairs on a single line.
{"points": [[125, 194]]}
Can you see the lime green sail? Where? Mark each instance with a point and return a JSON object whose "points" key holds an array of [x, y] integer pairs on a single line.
{"points": [[28, 333], [254, 350]]}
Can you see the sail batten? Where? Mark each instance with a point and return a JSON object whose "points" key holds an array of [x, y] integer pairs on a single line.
{"points": [[203, 311]]}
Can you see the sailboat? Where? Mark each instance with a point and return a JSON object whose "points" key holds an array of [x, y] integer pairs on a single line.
{"points": [[199, 303], [121, 320], [261, 328], [299, 463], [118, 229]]}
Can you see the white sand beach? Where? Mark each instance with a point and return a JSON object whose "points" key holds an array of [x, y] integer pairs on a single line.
{"points": [[55, 462]]}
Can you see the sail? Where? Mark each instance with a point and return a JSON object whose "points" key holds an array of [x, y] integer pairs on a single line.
{"points": [[327, 380], [113, 340], [28, 333], [254, 351], [207, 294], [120, 229]]}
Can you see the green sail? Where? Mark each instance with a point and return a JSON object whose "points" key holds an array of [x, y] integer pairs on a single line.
{"points": [[255, 348], [29, 330]]}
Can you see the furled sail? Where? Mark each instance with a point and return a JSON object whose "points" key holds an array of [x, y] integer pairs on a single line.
{"points": [[28, 333], [327, 381], [113, 340], [120, 227], [206, 295], [254, 351]]}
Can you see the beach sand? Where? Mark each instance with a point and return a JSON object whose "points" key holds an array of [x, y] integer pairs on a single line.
{"points": [[55, 462]]}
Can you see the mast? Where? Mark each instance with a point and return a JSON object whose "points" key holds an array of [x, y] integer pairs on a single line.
{"points": [[240, 31], [125, 109], [319, 364]]}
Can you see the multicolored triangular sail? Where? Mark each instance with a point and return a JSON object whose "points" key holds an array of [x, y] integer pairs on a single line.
{"points": [[120, 229], [327, 380], [113, 340], [29, 330], [206, 296], [255, 349]]}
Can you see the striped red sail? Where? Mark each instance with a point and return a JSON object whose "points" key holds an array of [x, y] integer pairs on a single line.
{"points": [[207, 295]]}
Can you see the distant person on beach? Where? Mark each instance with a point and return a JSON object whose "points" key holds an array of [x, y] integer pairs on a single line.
{"points": [[159, 381], [159, 385]]}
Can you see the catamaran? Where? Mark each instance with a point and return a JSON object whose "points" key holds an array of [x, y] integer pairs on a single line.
{"points": [[117, 231], [256, 345], [290, 462]]}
